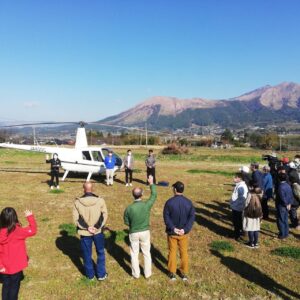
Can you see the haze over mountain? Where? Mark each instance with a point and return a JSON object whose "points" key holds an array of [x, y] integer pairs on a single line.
{"points": [[266, 105]]}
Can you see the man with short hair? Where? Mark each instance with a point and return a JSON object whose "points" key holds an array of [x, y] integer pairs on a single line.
{"points": [[257, 176], [110, 162], [179, 216], [90, 215], [137, 217], [151, 164], [128, 163]]}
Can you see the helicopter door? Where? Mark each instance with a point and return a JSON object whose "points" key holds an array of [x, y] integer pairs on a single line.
{"points": [[97, 156]]}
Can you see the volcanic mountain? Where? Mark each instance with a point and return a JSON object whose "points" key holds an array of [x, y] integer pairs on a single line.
{"points": [[266, 105]]}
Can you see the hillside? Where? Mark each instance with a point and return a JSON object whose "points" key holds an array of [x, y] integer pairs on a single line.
{"points": [[269, 104]]}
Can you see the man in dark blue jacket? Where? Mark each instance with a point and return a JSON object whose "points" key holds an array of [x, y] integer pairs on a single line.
{"points": [[179, 216], [257, 177], [284, 201]]}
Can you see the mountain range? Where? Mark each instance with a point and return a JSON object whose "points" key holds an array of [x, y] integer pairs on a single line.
{"points": [[263, 106]]}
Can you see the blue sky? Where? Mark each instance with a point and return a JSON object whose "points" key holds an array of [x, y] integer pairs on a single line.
{"points": [[85, 60]]}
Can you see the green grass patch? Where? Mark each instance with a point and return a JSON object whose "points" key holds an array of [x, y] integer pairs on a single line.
{"points": [[221, 246], [69, 228], [120, 235], [84, 281], [137, 171], [45, 220], [292, 252], [214, 172], [10, 162], [56, 191]]}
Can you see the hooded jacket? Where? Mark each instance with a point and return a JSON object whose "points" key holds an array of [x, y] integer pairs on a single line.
{"points": [[13, 255], [89, 210]]}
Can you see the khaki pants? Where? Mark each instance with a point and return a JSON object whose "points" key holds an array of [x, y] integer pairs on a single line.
{"points": [[110, 176], [182, 243], [142, 239]]}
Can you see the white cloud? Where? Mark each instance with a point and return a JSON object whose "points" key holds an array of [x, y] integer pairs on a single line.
{"points": [[31, 104]]}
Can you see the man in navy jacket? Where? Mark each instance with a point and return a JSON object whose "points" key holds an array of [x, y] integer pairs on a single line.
{"points": [[257, 177], [179, 216], [284, 201]]}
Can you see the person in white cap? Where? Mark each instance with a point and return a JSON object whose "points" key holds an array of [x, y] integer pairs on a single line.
{"points": [[245, 171]]}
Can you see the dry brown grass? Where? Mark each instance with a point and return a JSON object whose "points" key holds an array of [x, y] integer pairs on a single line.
{"points": [[241, 274]]}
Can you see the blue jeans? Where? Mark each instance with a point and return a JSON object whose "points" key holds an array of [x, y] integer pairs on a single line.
{"points": [[253, 237], [282, 221], [86, 243]]}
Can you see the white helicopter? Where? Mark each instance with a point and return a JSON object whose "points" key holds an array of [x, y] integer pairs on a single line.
{"points": [[81, 159]]}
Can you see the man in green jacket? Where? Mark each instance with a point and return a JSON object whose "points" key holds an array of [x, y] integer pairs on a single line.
{"points": [[137, 216]]}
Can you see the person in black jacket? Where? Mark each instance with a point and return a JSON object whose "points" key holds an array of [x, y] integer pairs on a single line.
{"points": [[55, 165], [179, 216], [294, 179]]}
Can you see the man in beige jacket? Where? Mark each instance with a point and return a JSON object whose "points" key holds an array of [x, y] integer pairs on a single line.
{"points": [[90, 215]]}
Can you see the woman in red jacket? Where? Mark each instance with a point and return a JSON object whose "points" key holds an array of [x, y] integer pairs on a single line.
{"points": [[13, 256]]}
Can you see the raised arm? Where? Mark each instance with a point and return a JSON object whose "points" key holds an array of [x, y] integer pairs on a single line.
{"points": [[31, 229], [153, 196]]}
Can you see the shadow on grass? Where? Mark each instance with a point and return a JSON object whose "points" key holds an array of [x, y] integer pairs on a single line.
{"points": [[70, 246], [159, 260], [117, 252], [254, 275], [203, 218]]}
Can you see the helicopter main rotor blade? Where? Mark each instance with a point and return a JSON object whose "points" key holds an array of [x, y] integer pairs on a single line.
{"points": [[37, 124]]}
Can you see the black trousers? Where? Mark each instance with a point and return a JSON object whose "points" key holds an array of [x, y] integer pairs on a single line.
{"points": [[11, 285], [128, 175], [56, 176], [265, 207], [237, 220], [293, 216], [151, 171]]}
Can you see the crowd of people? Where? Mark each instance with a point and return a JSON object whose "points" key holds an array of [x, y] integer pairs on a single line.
{"points": [[254, 189], [249, 204]]}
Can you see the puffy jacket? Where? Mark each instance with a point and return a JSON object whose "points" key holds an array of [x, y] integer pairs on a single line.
{"points": [[13, 254], [89, 210]]}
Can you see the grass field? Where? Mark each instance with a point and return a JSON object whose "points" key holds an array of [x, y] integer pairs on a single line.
{"points": [[220, 268]]}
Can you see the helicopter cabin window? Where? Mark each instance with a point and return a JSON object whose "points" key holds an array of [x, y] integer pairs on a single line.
{"points": [[96, 156], [86, 155]]}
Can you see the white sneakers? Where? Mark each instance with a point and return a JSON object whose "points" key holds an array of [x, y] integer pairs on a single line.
{"points": [[127, 184], [130, 184], [52, 187]]}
